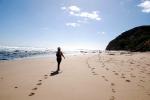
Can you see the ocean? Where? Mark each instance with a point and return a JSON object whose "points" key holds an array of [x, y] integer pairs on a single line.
{"points": [[11, 53]]}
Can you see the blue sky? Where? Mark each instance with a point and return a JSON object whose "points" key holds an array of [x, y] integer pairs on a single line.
{"points": [[71, 24]]}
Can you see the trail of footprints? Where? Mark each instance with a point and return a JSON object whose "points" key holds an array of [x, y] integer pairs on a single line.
{"points": [[121, 75], [91, 68], [37, 85], [113, 90]]}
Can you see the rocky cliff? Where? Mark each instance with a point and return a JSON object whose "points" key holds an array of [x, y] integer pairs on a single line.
{"points": [[136, 39]]}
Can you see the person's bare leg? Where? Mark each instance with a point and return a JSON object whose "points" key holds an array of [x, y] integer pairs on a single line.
{"points": [[58, 67]]}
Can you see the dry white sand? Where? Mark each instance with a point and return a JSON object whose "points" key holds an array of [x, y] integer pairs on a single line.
{"points": [[105, 76]]}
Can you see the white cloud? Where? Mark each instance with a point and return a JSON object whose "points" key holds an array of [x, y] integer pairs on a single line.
{"points": [[76, 11], [94, 15], [145, 5], [73, 24], [74, 8]]}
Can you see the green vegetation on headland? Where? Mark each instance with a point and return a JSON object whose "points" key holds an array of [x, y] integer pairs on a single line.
{"points": [[136, 39]]}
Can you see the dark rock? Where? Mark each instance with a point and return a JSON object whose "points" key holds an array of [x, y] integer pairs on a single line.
{"points": [[136, 39]]}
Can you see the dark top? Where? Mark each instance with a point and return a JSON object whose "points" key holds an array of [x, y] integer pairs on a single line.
{"points": [[58, 54]]}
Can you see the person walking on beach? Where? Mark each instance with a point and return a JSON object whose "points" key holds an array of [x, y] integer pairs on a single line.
{"points": [[59, 55]]}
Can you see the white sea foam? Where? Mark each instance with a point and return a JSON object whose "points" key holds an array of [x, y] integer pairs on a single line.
{"points": [[9, 53]]}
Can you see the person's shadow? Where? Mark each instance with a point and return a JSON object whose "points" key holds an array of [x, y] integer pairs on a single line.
{"points": [[54, 73]]}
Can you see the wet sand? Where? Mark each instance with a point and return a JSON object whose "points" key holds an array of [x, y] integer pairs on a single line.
{"points": [[93, 76]]}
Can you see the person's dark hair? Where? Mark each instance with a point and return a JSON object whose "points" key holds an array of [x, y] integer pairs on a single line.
{"points": [[58, 48]]}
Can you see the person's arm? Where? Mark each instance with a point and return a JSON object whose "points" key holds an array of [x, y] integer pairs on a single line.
{"points": [[62, 55]]}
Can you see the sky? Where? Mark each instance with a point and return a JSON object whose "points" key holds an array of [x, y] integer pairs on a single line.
{"points": [[70, 24]]}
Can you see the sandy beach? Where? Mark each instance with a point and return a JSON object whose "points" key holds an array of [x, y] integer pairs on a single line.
{"points": [[89, 76]]}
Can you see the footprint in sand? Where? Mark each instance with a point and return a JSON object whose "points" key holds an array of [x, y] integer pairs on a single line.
{"points": [[140, 86], [131, 63], [45, 76], [104, 78], [107, 69], [148, 73], [143, 77], [113, 90], [39, 84], [112, 98], [142, 57], [31, 94], [116, 74], [132, 75], [122, 76], [94, 73], [142, 81], [128, 81], [131, 69], [142, 71], [103, 65], [92, 68], [15, 87], [112, 84], [148, 64], [148, 94], [1, 78], [39, 80], [35, 88]]}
